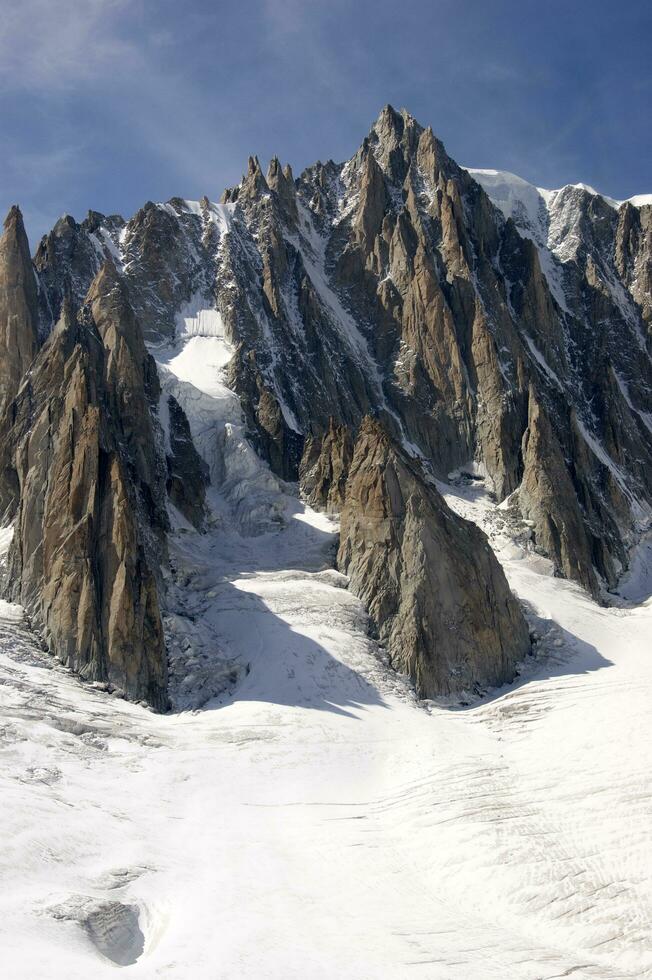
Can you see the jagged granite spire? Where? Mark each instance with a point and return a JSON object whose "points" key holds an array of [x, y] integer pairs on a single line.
{"points": [[281, 182], [68, 258], [77, 444], [18, 306], [434, 589]]}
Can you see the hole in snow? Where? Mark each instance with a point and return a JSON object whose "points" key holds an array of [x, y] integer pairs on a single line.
{"points": [[114, 930]]}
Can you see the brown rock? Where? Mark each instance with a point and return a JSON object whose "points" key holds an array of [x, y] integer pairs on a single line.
{"points": [[132, 385], [325, 468], [432, 585], [547, 497], [18, 307], [87, 540]]}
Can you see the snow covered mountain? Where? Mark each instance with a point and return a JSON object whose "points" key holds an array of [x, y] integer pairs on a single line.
{"points": [[390, 285], [331, 460]]}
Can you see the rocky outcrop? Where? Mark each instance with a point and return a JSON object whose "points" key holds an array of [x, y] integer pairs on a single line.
{"points": [[433, 587], [187, 472], [132, 387], [281, 181], [548, 499], [165, 253], [18, 307], [274, 439], [80, 471], [633, 255], [69, 257], [325, 466]]}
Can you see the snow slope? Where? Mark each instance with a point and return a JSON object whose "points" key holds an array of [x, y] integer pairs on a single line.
{"points": [[551, 219], [313, 819], [243, 490], [511, 192]]}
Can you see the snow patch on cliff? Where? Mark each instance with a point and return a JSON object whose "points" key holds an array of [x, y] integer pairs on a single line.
{"points": [[514, 195], [243, 490]]}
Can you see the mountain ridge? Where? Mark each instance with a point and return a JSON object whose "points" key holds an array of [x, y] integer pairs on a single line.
{"points": [[391, 286]]}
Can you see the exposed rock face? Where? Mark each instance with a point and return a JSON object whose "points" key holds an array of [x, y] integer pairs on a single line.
{"points": [[325, 468], [274, 439], [132, 387], [547, 497], [476, 320], [433, 587], [18, 307], [165, 258], [633, 254], [68, 259], [188, 474], [80, 471]]}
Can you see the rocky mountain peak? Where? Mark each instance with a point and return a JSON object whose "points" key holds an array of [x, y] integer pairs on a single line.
{"points": [[274, 170], [281, 182], [399, 142], [68, 258], [251, 188], [254, 184], [65, 225], [81, 552], [14, 221], [392, 128], [95, 221], [18, 306]]}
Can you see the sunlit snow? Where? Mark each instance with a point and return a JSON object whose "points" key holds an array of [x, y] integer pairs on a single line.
{"points": [[539, 215]]}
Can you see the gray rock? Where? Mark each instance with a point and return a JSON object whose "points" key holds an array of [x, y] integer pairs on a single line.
{"points": [[68, 259], [188, 474]]}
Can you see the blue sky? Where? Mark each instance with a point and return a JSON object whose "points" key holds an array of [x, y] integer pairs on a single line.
{"points": [[105, 104]]}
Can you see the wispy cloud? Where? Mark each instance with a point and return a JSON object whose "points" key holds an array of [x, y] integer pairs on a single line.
{"points": [[40, 165], [115, 54], [63, 43], [35, 174]]}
